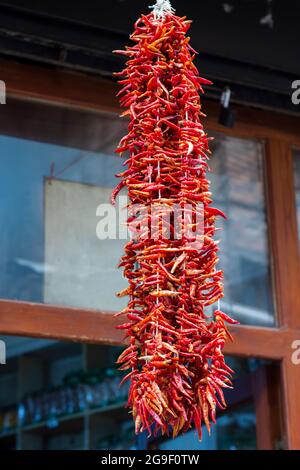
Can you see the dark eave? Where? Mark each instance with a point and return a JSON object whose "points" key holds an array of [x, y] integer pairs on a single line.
{"points": [[39, 38]]}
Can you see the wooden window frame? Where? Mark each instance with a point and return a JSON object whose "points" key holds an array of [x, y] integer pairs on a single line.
{"points": [[279, 133]]}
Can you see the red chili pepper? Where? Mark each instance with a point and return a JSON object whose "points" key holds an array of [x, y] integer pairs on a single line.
{"points": [[175, 361]]}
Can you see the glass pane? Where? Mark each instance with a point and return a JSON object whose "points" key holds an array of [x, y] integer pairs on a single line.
{"points": [[296, 158], [57, 166], [235, 430], [56, 396], [238, 190], [48, 388]]}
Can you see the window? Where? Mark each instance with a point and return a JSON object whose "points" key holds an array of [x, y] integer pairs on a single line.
{"points": [[59, 122], [57, 395], [237, 175], [51, 188]]}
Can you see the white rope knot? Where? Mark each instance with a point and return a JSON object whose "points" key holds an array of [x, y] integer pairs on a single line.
{"points": [[161, 8]]}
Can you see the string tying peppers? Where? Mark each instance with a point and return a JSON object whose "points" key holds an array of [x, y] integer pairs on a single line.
{"points": [[174, 358]]}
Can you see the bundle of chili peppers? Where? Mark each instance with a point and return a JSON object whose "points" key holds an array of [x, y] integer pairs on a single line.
{"points": [[174, 358]]}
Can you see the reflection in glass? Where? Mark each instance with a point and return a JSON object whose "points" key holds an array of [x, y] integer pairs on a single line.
{"points": [[49, 388], [236, 426], [238, 190], [73, 276], [59, 396], [235, 430]]}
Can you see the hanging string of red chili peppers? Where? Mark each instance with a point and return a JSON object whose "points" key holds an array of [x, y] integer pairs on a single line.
{"points": [[175, 359]]}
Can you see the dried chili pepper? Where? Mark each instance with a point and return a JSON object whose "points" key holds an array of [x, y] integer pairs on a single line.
{"points": [[175, 361]]}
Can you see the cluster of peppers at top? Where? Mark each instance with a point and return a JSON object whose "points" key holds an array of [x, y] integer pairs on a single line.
{"points": [[174, 357]]}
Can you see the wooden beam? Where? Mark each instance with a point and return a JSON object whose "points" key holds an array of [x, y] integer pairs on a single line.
{"points": [[61, 323], [90, 326], [74, 89], [269, 343], [282, 223], [255, 123], [69, 89]]}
